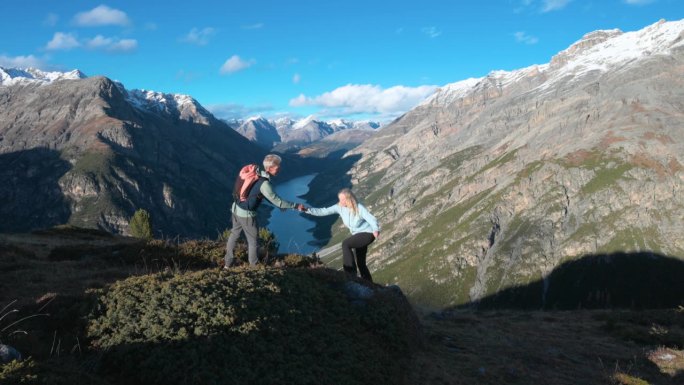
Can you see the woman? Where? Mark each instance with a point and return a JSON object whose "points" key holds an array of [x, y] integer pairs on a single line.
{"points": [[363, 227]]}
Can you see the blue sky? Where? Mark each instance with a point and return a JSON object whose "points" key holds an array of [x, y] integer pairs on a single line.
{"points": [[334, 59]]}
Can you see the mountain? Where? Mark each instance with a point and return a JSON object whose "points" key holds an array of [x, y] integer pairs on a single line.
{"points": [[86, 151], [285, 134], [338, 142], [260, 131], [493, 182], [342, 124]]}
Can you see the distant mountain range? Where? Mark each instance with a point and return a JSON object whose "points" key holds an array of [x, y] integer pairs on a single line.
{"points": [[493, 182], [285, 133], [89, 152]]}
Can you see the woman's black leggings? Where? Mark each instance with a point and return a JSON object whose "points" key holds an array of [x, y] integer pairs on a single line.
{"points": [[359, 242]]}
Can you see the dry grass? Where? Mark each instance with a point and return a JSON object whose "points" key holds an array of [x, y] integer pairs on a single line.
{"points": [[554, 348], [34, 265], [662, 138], [610, 139], [645, 161], [579, 157]]}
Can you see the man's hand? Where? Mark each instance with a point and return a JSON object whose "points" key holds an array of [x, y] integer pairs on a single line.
{"points": [[301, 207], [376, 234]]}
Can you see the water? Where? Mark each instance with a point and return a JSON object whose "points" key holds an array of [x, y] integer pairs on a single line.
{"points": [[291, 228]]}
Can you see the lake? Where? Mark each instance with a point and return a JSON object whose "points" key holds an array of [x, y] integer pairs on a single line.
{"points": [[291, 228]]}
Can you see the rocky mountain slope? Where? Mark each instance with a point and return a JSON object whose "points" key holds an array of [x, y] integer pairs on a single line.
{"points": [[88, 152], [493, 182], [259, 131]]}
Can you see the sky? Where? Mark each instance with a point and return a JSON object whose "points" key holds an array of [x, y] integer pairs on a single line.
{"points": [[351, 59]]}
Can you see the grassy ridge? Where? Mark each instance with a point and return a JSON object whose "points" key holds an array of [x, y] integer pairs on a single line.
{"points": [[165, 313]]}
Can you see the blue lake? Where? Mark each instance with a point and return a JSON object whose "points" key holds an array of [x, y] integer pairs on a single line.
{"points": [[291, 228]]}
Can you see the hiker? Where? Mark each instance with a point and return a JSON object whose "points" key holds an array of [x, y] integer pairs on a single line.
{"points": [[363, 227], [244, 212]]}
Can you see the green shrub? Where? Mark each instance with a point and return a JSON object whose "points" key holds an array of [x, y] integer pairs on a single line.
{"points": [[267, 241], [293, 326], [50, 372], [299, 260], [141, 225]]}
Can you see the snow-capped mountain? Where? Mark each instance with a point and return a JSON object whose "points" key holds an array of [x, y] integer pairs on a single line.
{"points": [[343, 124], [260, 131], [180, 106], [14, 76], [599, 51], [289, 132]]}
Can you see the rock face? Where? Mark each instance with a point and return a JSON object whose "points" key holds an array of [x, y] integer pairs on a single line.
{"points": [[260, 131], [494, 182], [88, 152]]}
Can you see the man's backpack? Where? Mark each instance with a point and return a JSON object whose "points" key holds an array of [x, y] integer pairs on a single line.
{"points": [[246, 192]]}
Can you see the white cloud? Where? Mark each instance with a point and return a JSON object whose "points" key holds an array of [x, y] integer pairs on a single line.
{"points": [[62, 42], [98, 42], [51, 20], [254, 26], [638, 2], [367, 98], [123, 45], [432, 32], [101, 15], [296, 78], [21, 61], [199, 36], [235, 64], [522, 37], [554, 5], [109, 44], [188, 76]]}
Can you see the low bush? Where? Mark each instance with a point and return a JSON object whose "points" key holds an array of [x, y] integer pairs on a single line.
{"points": [[289, 326]]}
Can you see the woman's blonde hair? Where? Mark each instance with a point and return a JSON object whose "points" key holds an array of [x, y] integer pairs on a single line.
{"points": [[347, 193]]}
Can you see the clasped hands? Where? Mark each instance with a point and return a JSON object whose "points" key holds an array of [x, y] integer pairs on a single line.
{"points": [[301, 207]]}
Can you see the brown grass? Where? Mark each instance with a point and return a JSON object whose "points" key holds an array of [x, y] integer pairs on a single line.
{"points": [[579, 157], [36, 264], [644, 161], [554, 348], [609, 139], [675, 166], [662, 138]]}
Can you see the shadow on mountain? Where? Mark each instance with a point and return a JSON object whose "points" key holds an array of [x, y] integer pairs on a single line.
{"points": [[183, 173], [30, 193], [332, 177], [643, 280]]}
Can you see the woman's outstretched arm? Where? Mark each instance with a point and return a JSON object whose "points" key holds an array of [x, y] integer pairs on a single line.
{"points": [[321, 212]]}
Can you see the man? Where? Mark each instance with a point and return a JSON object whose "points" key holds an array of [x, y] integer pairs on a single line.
{"points": [[245, 220]]}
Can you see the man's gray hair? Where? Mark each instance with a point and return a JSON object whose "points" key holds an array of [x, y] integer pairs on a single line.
{"points": [[271, 160]]}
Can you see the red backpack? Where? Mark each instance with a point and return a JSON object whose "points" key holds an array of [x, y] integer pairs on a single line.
{"points": [[246, 192]]}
